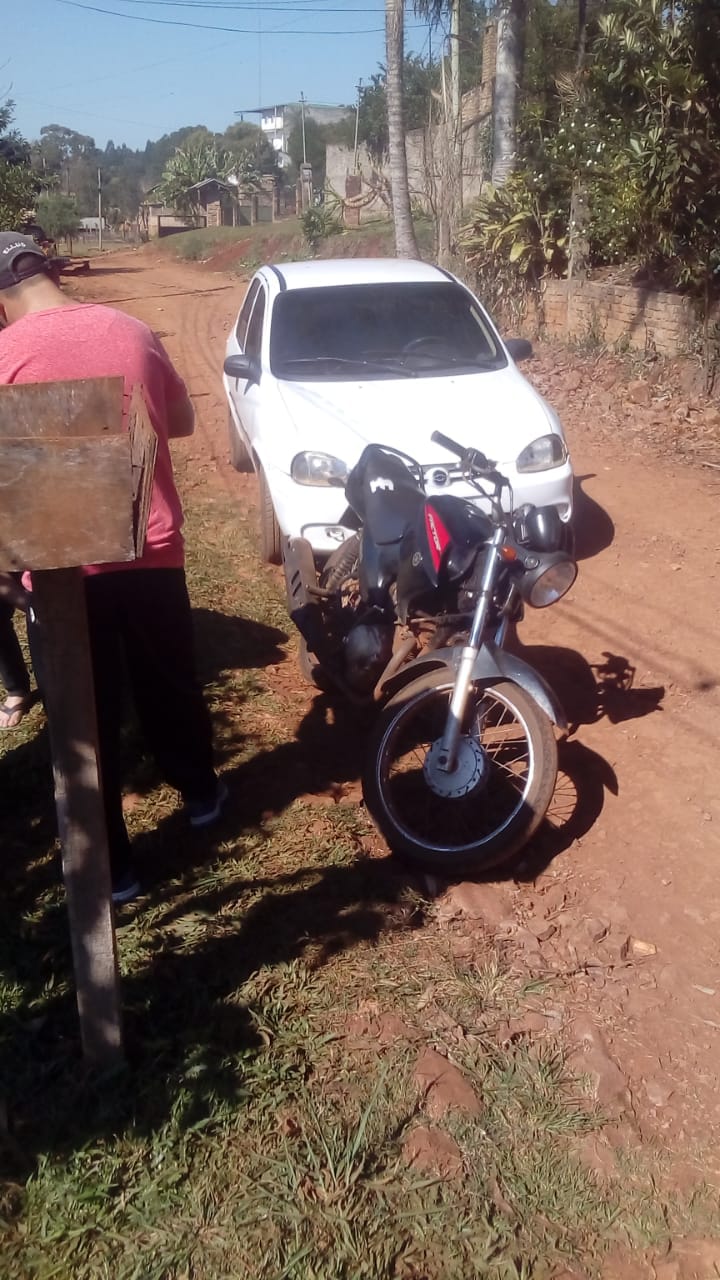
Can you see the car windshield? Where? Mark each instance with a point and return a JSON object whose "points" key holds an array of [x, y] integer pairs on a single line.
{"points": [[361, 331]]}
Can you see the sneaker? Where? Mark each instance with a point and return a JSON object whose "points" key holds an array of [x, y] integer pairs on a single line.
{"points": [[125, 888], [203, 812]]}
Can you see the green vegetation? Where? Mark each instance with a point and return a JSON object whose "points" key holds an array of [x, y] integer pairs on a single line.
{"points": [[318, 224], [631, 136], [68, 161], [17, 185], [273, 242], [58, 216]]}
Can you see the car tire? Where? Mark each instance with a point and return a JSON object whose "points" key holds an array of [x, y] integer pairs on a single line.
{"points": [[240, 457], [270, 536]]}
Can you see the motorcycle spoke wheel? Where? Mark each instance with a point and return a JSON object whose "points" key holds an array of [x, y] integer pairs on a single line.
{"points": [[497, 795]]}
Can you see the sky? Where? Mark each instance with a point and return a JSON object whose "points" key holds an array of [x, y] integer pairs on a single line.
{"points": [[99, 67]]}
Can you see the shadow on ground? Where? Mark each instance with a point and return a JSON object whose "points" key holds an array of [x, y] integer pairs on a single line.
{"points": [[214, 925], [112, 271], [594, 529]]}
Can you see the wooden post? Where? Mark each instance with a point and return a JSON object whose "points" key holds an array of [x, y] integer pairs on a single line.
{"points": [[75, 489], [59, 602]]}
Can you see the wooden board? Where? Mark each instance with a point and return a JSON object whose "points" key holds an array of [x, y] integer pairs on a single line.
{"points": [[65, 502], [143, 452], [88, 407]]}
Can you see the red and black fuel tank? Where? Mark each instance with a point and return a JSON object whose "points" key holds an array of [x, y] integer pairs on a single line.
{"points": [[438, 551]]}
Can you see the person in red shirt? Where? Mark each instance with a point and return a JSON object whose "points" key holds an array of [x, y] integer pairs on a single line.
{"points": [[139, 611]]}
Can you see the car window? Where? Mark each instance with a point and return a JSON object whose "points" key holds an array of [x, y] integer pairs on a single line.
{"points": [[246, 308], [416, 328], [253, 340]]}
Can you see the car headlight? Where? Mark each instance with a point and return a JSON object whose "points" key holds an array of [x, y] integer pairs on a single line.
{"points": [[319, 469], [544, 453]]}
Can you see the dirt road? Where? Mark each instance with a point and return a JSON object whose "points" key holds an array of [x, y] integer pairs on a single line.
{"points": [[628, 904]]}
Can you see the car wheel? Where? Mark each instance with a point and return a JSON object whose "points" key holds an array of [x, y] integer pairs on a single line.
{"points": [[270, 536], [239, 456]]}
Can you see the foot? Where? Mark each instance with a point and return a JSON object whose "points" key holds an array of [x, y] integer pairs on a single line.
{"points": [[203, 812], [15, 708]]}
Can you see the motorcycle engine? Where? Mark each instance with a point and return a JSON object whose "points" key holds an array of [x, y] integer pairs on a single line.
{"points": [[367, 651]]}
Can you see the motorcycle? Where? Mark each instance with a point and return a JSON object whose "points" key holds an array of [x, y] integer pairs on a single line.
{"points": [[412, 614]]}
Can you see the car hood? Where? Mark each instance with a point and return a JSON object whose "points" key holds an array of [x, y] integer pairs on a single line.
{"points": [[496, 411]]}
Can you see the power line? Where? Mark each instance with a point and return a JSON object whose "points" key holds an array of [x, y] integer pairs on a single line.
{"points": [[91, 115], [131, 71], [252, 7], [208, 26]]}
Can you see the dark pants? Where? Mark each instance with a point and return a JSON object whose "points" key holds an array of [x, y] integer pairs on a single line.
{"points": [[141, 635], [13, 672]]}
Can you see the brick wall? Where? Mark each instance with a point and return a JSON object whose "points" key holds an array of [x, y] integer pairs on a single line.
{"points": [[613, 313]]}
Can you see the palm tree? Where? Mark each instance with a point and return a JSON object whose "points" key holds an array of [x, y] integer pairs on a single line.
{"points": [[405, 242], [511, 22]]}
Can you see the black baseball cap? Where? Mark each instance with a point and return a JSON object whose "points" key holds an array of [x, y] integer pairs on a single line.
{"points": [[14, 245]]}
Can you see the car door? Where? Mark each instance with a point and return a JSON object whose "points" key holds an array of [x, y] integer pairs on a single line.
{"points": [[236, 342], [247, 393]]}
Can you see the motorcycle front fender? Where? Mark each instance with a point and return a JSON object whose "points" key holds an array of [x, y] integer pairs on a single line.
{"points": [[491, 664]]}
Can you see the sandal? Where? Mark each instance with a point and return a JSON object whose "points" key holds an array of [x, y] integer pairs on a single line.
{"points": [[15, 708]]}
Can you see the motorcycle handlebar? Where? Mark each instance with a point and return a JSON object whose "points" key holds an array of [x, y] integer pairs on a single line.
{"points": [[476, 460], [438, 438]]}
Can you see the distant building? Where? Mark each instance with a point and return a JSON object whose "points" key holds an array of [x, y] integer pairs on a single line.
{"points": [[277, 122], [92, 224]]}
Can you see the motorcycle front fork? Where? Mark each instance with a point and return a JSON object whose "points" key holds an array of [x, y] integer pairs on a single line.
{"points": [[463, 680]]}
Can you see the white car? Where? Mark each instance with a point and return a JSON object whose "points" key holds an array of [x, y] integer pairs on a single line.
{"points": [[328, 356]]}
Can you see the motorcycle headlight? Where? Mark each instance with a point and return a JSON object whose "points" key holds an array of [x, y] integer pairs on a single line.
{"points": [[543, 453], [549, 581], [318, 469]]}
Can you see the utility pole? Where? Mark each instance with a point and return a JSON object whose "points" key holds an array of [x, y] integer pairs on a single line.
{"points": [[305, 181], [100, 221], [357, 123]]}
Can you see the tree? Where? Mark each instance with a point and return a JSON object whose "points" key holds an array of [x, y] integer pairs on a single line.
{"points": [[244, 139], [17, 183], [650, 76], [246, 172], [315, 148], [421, 78], [472, 20], [189, 165], [511, 22], [405, 242], [58, 215]]}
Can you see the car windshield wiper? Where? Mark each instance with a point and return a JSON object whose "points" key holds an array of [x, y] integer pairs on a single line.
{"points": [[467, 362], [374, 366]]}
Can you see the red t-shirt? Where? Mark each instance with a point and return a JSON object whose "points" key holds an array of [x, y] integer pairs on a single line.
{"points": [[91, 341]]}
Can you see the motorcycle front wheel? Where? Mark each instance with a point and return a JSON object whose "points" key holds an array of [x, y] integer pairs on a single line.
{"points": [[488, 807]]}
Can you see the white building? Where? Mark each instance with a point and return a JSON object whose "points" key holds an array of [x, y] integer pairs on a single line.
{"points": [[277, 122]]}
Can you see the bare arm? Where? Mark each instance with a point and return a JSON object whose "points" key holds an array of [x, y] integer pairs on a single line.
{"points": [[181, 418]]}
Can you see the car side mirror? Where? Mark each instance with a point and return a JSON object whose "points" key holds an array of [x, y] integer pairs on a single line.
{"points": [[519, 348], [245, 368]]}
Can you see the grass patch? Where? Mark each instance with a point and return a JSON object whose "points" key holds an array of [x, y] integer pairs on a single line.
{"points": [[205, 242], [246, 248], [253, 1134]]}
